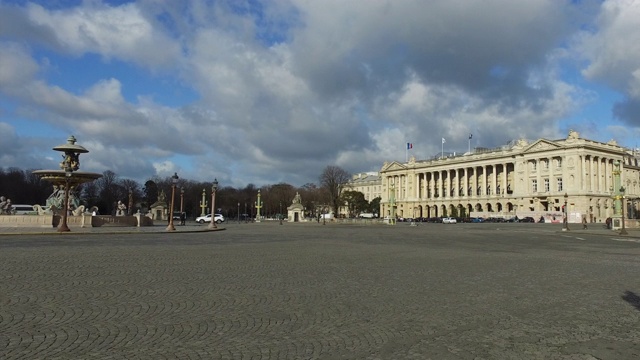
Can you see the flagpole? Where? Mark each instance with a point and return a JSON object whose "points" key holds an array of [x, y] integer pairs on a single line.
{"points": [[442, 150], [469, 145]]}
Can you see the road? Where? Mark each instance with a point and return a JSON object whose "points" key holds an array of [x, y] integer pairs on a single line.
{"points": [[313, 291]]}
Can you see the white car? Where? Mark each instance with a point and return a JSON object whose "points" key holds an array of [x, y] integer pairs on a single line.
{"points": [[449, 220], [203, 219]]}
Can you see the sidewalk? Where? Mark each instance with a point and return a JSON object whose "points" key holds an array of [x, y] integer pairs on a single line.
{"points": [[189, 228], [599, 229]]}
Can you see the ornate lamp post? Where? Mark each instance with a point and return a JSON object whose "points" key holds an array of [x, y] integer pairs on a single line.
{"points": [[392, 203], [214, 188], [203, 204], [280, 214], [181, 199], [130, 209], [623, 231], [238, 212], [258, 207], [174, 181], [565, 215], [324, 215]]}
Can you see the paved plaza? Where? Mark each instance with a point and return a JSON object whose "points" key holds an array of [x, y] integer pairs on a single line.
{"points": [[313, 291]]}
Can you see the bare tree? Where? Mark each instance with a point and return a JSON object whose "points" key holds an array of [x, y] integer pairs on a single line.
{"points": [[107, 190], [332, 179]]}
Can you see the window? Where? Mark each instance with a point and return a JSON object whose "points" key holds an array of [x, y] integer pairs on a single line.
{"points": [[559, 184], [545, 163], [559, 163], [546, 185], [533, 165], [534, 185]]}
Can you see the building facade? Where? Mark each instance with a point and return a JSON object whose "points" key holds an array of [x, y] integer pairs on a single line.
{"points": [[520, 179], [368, 183]]}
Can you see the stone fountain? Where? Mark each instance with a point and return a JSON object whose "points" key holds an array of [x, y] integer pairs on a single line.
{"points": [[65, 181]]}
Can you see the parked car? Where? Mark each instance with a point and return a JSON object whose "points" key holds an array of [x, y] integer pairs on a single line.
{"points": [[207, 218], [527, 219], [19, 209], [449, 220]]}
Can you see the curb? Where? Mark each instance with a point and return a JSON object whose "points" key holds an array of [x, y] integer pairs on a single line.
{"points": [[112, 232]]}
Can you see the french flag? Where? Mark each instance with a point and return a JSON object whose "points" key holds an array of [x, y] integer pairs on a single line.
{"points": [[409, 146]]}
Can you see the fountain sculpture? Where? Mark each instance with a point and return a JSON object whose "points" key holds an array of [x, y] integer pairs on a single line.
{"points": [[65, 181]]}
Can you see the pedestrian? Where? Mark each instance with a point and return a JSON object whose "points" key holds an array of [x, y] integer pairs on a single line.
{"points": [[584, 223]]}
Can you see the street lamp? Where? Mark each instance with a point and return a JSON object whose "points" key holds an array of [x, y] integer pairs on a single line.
{"points": [[174, 181], [565, 218], [130, 202], [280, 214], [324, 216], [623, 231], [214, 188], [238, 212], [258, 207], [181, 200]]}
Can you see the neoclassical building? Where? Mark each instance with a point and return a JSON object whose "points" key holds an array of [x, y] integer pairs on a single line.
{"points": [[368, 183], [519, 179]]}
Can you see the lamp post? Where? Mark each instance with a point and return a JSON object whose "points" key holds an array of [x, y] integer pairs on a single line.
{"points": [[324, 216], [623, 231], [280, 214], [174, 181], [214, 188], [181, 200], [203, 204], [130, 208], [258, 207], [238, 212], [565, 216]]}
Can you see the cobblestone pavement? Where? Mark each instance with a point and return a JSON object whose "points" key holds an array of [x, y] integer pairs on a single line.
{"points": [[308, 291]]}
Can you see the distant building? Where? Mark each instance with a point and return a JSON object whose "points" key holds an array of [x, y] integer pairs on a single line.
{"points": [[368, 183], [519, 179]]}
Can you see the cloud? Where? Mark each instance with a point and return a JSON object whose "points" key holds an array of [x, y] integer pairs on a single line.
{"points": [[286, 87], [612, 49], [114, 32]]}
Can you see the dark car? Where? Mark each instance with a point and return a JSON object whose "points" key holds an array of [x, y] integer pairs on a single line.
{"points": [[527, 219]]}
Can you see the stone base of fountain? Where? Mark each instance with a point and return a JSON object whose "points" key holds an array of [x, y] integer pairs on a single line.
{"points": [[79, 221]]}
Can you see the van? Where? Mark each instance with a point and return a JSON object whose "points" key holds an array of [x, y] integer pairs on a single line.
{"points": [[21, 209]]}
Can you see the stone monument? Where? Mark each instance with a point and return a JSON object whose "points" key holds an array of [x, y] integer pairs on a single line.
{"points": [[295, 212]]}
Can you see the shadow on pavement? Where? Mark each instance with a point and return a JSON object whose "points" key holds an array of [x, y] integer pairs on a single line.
{"points": [[632, 298]]}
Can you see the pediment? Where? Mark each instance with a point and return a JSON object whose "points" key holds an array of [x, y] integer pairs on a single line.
{"points": [[541, 145], [393, 166]]}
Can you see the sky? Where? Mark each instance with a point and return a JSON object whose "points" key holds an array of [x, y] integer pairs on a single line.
{"points": [[263, 92]]}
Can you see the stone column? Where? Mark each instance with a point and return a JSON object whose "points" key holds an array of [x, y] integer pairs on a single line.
{"points": [[466, 182], [494, 177], [539, 173], [503, 187]]}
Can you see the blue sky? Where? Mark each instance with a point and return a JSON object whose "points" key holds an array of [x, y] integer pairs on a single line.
{"points": [[274, 91]]}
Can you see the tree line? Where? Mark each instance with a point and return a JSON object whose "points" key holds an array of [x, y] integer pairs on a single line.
{"points": [[23, 187]]}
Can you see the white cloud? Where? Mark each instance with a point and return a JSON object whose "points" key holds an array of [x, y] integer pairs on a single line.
{"points": [[121, 32], [290, 86]]}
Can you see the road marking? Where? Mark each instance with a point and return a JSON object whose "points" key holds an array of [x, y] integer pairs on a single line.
{"points": [[581, 238], [620, 239]]}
